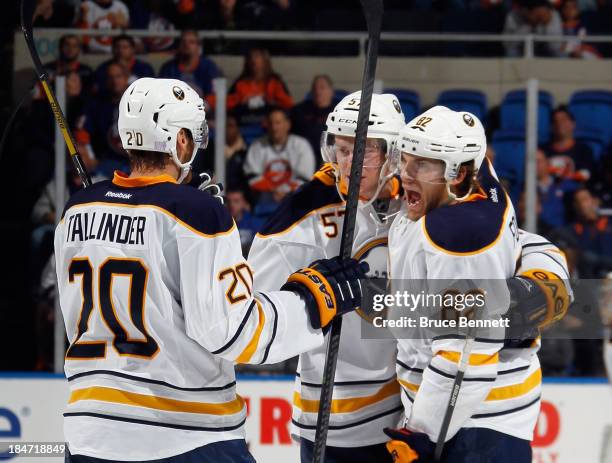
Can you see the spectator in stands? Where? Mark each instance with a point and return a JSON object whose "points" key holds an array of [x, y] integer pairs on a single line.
{"points": [[257, 89], [190, 66], [278, 14], [154, 16], [102, 14], [593, 234], [308, 118], [280, 161], [601, 183], [235, 154], [97, 134], [124, 53], [40, 132], [572, 26], [68, 61], [568, 158], [44, 216], [226, 15], [240, 209], [50, 13], [534, 17], [552, 193]]}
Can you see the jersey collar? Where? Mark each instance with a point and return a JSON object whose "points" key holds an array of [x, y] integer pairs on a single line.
{"points": [[122, 179]]}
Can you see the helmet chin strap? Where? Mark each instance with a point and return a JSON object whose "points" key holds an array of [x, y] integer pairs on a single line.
{"points": [[381, 183], [453, 197], [184, 167]]}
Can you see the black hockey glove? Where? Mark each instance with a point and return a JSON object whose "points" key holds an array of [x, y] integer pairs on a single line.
{"points": [[330, 287], [406, 446], [538, 298]]}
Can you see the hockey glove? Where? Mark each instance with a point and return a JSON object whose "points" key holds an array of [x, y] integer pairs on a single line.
{"points": [[537, 299], [205, 183], [407, 447], [330, 287]]}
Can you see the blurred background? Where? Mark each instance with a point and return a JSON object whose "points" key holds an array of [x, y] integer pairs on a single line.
{"points": [[536, 72]]}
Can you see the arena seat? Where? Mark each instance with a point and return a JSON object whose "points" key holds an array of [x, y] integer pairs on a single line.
{"points": [[251, 132], [409, 101], [509, 163], [513, 113], [473, 101], [592, 110], [595, 138]]}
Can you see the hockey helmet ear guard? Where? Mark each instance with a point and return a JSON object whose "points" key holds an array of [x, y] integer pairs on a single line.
{"points": [[153, 111]]}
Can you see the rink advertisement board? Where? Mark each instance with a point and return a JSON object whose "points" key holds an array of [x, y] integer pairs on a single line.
{"points": [[575, 421]]}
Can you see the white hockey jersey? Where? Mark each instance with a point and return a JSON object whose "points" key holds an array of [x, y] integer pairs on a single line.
{"points": [[158, 304], [366, 396], [476, 239]]}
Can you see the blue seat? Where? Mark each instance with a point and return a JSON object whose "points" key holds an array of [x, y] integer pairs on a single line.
{"points": [[251, 132], [509, 163], [592, 110], [595, 138], [513, 113], [473, 101], [409, 101]]}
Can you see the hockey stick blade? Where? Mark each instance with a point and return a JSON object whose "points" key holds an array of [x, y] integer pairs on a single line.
{"points": [[373, 12], [27, 12]]}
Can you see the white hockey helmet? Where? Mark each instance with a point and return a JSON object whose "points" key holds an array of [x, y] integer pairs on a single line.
{"points": [[153, 111], [386, 120], [453, 137]]}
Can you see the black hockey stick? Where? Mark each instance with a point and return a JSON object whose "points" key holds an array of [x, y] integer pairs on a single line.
{"points": [[27, 12], [373, 12], [452, 401]]}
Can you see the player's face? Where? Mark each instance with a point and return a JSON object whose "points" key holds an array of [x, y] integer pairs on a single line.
{"points": [[373, 160], [423, 183]]}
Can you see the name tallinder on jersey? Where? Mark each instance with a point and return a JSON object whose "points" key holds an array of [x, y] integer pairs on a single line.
{"points": [[114, 228]]}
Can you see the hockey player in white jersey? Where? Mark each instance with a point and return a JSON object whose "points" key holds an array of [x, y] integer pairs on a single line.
{"points": [[308, 226], [159, 303], [455, 226]]}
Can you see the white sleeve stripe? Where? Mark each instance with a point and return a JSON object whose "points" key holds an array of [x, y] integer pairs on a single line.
{"points": [[561, 266], [238, 331]]}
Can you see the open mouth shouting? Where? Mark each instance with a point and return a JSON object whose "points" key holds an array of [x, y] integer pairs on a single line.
{"points": [[414, 201]]}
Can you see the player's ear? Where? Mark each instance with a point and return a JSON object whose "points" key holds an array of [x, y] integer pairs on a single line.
{"points": [[182, 144]]}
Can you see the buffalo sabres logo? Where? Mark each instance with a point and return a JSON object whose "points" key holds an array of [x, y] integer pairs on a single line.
{"points": [[397, 106], [178, 93], [469, 120]]}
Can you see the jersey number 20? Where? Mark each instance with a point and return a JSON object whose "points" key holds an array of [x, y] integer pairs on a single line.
{"points": [[123, 344]]}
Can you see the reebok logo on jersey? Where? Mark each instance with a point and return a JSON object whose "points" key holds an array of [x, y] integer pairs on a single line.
{"points": [[112, 194], [493, 193]]}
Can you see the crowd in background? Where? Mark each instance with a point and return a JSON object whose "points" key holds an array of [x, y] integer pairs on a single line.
{"points": [[272, 137], [575, 19]]}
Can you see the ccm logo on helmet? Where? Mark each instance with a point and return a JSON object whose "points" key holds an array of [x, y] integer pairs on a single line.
{"points": [[347, 121], [178, 93], [321, 286]]}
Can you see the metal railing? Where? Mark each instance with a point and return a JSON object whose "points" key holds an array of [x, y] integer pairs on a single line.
{"points": [[528, 41]]}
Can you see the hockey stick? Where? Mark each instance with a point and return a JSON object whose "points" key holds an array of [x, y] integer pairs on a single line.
{"points": [[448, 415], [27, 12], [373, 11]]}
